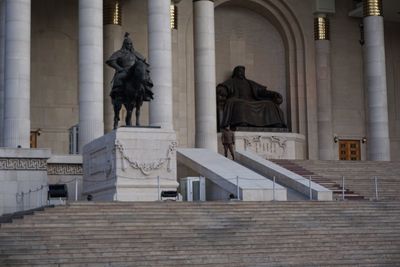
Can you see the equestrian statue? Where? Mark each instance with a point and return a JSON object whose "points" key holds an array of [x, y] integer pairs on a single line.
{"points": [[131, 85]]}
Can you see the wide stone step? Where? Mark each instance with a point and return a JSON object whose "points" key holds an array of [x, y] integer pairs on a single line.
{"points": [[180, 251], [199, 237], [359, 175], [359, 233], [227, 223], [237, 258]]}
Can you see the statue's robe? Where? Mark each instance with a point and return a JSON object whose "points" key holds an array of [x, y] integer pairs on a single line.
{"points": [[251, 104]]}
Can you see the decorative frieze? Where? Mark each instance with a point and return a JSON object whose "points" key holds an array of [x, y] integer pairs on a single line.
{"points": [[23, 164], [269, 146], [64, 169], [146, 167]]}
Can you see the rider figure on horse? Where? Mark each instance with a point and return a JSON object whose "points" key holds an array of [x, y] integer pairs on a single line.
{"points": [[122, 60]]}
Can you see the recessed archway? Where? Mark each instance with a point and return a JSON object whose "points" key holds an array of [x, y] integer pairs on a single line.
{"points": [[280, 22]]}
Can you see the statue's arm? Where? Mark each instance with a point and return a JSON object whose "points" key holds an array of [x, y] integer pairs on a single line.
{"points": [[222, 94], [113, 62], [262, 93]]}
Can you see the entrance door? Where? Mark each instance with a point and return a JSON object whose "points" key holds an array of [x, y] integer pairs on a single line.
{"points": [[34, 136], [349, 150]]}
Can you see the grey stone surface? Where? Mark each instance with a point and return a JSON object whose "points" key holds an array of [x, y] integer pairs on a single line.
{"points": [[91, 124], [283, 176], [160, 59], [17, 79], [301, 233], [270, 145], [224, 173], [125, 165], [23, 179], [375, 81], [204, 65]]}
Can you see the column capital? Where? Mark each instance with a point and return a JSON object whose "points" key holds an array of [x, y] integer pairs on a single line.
{"points": [[321, 28], [372, 8]]}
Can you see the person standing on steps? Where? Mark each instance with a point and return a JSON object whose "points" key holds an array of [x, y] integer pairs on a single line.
{"points": [[228, 140]]}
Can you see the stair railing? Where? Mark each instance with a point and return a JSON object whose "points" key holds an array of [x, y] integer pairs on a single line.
{"points": [[37, 194], [75, 181], [237, 188]]}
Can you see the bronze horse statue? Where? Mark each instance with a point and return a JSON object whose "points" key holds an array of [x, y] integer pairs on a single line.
{"points": [[135, 89]]}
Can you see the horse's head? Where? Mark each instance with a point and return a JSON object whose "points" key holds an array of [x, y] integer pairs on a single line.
{"points": [[140, 73], [138, 82]]}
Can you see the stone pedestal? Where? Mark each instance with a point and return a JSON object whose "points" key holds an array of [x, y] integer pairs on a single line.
{"points": [[130, 164], [270, 145]]}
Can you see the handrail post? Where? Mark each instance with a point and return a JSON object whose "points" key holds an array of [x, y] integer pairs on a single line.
{"points": [[158, 188], [29, 199], [237, 188], [309, 186], [342, 187], [376, 187], [23, 201], [273, 188], [41, 195], [76, 189]]}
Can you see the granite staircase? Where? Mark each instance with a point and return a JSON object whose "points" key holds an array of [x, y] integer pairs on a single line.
{"points": [[301, 233], [335, 185], [360, 176]]}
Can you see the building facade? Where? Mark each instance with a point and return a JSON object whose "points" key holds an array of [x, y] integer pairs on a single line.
{"points": [[340, 81]]}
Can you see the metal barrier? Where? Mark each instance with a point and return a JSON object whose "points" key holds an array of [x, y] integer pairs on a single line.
{"points": [[24, 199]]}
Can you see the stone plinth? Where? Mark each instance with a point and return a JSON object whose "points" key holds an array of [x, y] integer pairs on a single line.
{"points": [[270, 145], [130, 164], [23, 179]]}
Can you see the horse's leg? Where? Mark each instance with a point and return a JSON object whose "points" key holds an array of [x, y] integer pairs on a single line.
{"points": [[129, 109], [117, 108], [137, 113]]}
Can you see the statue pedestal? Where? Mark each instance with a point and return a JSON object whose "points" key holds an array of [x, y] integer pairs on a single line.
{"points": [[270, 145], [130, 164]]}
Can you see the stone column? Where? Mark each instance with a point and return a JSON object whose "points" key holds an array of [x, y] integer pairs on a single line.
{"points": [[17, 58], [2, 50], [375, 82], [90, 71], [160, 59], [204, 65], [112, 42], [324, 82]]}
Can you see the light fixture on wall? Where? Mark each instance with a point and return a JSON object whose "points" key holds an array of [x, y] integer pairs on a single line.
{"points": [[112, 12], [364, 140], [321, 28], [335, 139], [173, 9]]}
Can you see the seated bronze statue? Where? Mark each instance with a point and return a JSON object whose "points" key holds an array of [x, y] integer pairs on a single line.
{"points": [[242, 102]]}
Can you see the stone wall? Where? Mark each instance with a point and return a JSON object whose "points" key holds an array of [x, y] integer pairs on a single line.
{"points": [[54, 71]]}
